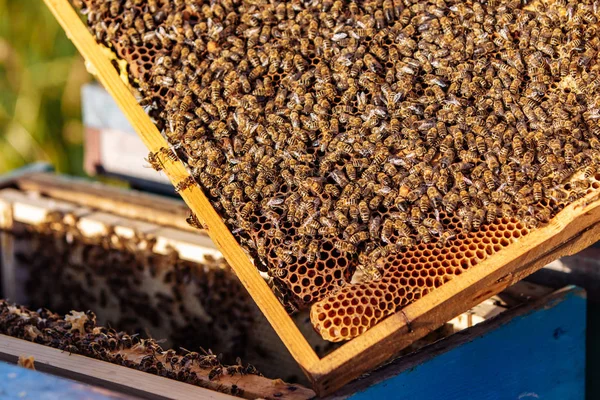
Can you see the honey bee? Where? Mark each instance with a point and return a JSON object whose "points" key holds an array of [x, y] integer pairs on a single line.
{"points": [[246, 210], [185, 184], [562, 175], [465, 198], [446, 237], [153, 6], [489, 179], [278, 272], [344, 246], [466, 218], [402, 243], [193, 221], [491, 161], [148, 22], [461, 181], [359, 237], [215, 372], [154, 161], [542, 214], [115, 6], [370, 272], [186, 104], [478, 218], [434, 196], [491, 212], [424, 234], [589, 171], [284, 255], [365, 213], [538, 191], [372, 64], [451, 201], [434, 225], [387, 231], [168, 154]]}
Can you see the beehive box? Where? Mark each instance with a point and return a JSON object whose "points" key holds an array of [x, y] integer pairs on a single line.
{"points": [[130, 257], [402, 304]]}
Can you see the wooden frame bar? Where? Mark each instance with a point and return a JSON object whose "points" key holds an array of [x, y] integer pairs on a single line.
{"points": [[103, 374], [21, 382], [397, 331], [125, 202]]}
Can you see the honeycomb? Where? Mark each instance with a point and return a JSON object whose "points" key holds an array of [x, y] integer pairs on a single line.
{"points": [[408, 276], [366, 152]]}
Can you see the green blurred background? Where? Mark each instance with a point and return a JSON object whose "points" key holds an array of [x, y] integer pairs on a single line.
{"points": [[41, 75]]}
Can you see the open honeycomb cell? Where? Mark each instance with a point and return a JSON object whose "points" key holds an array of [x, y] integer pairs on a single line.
{"points": [[386, 145]]}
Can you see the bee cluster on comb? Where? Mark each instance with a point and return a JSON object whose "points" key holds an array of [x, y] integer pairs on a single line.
{"points": [[396, 142], [78, 333], [131, 287]]}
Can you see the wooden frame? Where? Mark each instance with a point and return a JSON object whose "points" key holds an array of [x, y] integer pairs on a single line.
{"points": [[570, 231]]}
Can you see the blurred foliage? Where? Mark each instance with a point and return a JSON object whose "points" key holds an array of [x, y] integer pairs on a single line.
{"points": [[41, 75]]}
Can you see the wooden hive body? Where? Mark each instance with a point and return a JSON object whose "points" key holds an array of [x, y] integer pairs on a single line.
{"points": [[59, 243], [504, 253]]}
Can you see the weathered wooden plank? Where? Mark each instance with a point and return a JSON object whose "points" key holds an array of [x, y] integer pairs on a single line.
{"points": [[191, 246], [124, 202], [10, 178], [7, 270], [100, 373]]}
